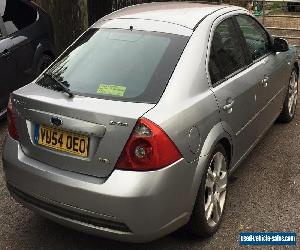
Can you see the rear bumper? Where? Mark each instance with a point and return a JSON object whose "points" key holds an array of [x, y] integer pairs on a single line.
{"points": [[129, 206]]}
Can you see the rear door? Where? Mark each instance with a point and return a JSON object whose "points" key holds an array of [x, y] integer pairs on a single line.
{"points": [[233, 88], [7, 68]]}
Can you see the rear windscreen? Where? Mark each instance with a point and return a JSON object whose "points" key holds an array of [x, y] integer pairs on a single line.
{"points": [[119, 64]]}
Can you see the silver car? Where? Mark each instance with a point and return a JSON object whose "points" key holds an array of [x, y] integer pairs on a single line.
{"points": [[134, 130]]}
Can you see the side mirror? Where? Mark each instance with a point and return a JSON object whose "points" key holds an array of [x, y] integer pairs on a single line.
{"points": [[280, 45]]}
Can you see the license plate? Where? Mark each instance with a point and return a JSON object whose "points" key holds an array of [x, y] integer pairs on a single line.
{"points": [[62, 140]]}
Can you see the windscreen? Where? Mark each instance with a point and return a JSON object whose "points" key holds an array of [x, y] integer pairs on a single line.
{"points": [[119, 64]]}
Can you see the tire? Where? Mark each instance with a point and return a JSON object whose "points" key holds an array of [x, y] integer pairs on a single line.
{"points": [[199, 225], [43, 63], [290, 103]]}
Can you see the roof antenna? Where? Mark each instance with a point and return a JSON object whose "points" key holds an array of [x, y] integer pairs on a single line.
{"points": [[131, 27]]}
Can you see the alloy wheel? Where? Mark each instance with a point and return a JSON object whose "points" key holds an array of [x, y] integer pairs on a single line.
{"points": [[215, 189], [293, 94]]}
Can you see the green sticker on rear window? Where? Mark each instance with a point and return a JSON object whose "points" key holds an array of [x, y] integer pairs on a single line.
{"points": [[106, 89]]}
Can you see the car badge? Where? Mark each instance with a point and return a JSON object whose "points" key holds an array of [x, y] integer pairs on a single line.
{"points": [[56, 121]]}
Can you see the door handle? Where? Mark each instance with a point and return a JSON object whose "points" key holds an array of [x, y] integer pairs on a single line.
{"points": [[5, 54], [264, 82], [229, 105]]}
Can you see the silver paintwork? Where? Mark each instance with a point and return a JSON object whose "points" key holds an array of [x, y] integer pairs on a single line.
{"points": [[126, 197], [193, 113], [91, 119], [181, 14], [146, 25], [56, 121]]}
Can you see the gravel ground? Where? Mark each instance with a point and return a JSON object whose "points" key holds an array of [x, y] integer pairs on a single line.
{"points": [[264, 195]]}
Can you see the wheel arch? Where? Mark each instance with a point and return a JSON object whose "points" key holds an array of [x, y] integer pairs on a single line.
{"points": [[228, 148], [217, 135]]}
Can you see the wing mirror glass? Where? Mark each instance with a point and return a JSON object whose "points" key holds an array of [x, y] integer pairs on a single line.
{"points": [[280, 45]]}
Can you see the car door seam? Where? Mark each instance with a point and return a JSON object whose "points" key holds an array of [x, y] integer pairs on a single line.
{"points": [[259, 112]]}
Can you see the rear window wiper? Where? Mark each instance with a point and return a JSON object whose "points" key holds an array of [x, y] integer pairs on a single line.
{"points": [[59, 83]]}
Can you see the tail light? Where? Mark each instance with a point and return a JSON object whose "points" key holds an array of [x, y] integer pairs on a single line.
{"points": [[148, 148], [12, 129]]}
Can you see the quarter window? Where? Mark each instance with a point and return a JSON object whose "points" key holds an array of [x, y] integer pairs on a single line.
{"points": [[256, 37], [226, 55]]}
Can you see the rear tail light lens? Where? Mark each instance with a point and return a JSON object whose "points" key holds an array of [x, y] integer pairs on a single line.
{"points": [[11, 118], [148, 148]]}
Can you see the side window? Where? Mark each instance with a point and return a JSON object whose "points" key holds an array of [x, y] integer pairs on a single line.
{"points": [[226, 55], [214, 68], [256, 37], [18, 15]]}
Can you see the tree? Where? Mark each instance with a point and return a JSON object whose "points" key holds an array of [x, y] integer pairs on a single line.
{"points": [[98, 9], [69, 18]]}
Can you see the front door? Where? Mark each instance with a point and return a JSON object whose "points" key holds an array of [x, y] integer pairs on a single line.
{"points": [[272, 71]]}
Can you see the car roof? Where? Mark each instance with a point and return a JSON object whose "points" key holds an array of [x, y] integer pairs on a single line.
{"points": [[186, 14]]}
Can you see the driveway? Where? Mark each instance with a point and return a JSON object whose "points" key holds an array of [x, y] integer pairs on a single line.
{"points": [[264, 195]]}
